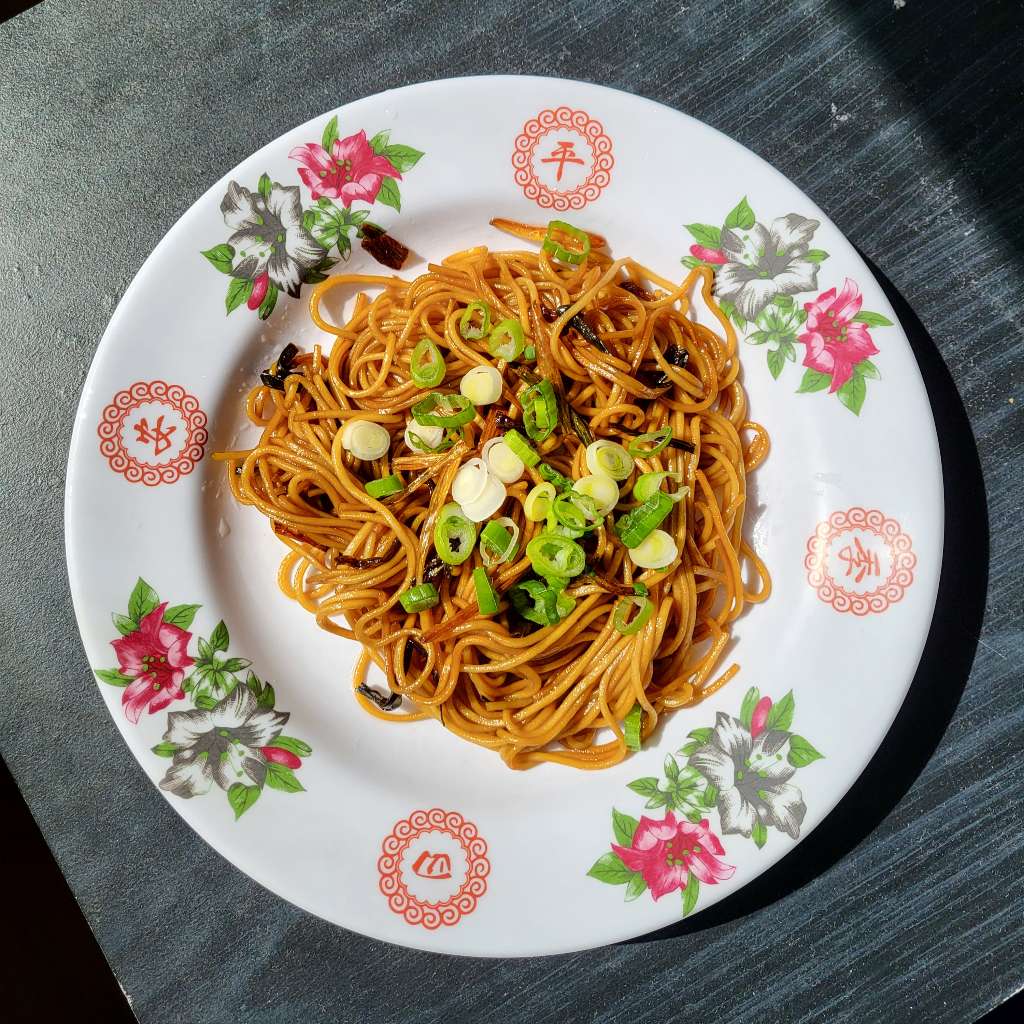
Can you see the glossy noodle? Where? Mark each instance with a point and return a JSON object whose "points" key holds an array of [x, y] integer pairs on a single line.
{"points": [[559, 692]]}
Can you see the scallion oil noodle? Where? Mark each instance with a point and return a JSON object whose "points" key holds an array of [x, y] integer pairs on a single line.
{"points": [[531, 693]]}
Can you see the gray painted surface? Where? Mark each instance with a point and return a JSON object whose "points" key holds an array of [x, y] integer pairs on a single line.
{"points": [[906, 904]]}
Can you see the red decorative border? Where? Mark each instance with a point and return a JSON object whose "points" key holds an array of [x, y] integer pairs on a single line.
{"points": [[478, 867], [123, 462], [902, 561], [529, 138]]}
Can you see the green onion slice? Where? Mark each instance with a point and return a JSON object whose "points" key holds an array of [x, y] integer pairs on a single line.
{"points": [[506, 340], [454, 535], [542, 602], [554, 246], [609, 458], [470, 330], [385, 486], [482, 385], [486, 595], [502, 461], [552, 555], [439, 410], [631, 727], [621, 620], [427, 364], [540, 410], [567, 513], [635, 526], [648, 484], [552, 476], [656, 551], [603, 490], [499, 541], [538, 502], [646, 445], [419, 598], [521, 447]]}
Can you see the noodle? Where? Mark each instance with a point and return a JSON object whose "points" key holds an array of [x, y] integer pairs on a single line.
{"points": [[561, 692]]}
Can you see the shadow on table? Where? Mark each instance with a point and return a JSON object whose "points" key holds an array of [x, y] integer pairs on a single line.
{"points": [[940, 677]]}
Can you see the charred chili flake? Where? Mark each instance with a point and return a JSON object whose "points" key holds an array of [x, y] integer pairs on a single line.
{"points": [[383, 247], [275, 377], [581, 327], [434, 569], [674, 356], [359, 563], [386, 702], [414, 650], [638, 290], [504, 423]]}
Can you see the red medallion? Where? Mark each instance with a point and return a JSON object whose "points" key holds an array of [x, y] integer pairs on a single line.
{"points": [[433, 868], [860, 561], [153, 433], [562, 159]]}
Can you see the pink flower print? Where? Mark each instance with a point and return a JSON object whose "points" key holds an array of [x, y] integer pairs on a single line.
{"points": [[352, 170], [835, 342], [665, 852], [760, 716], [278, 755], [155, 656], [259, 291], [707, 255]]}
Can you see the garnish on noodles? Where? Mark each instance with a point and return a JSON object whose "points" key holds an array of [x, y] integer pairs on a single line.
{"points": [[519, 482]]}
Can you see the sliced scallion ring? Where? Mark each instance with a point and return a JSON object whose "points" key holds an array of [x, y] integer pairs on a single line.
{"points": [[489, 501], [502, 461], [623, 623], [454, 535], [635, 526], [553, 555], [552, 476], [507, 340], [384, 487], [646, 445], [655, 551], [567, 512], [425, 439], [609, 458], [365, 439], [648, 483], [470, 481], [486, 596], [427, 364], [538, 502], [481, 385], [471, 328], [632, 725], [499, 541], [559, 231], [419, 598], [521, 447], [540, 410], [440, 410], [603, 489]]}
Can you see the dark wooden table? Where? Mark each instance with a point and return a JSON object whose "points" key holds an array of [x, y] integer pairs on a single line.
{"points": [[902, 119]]}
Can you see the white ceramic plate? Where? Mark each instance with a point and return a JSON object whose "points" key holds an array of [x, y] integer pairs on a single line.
{"points": [[408, 834]]}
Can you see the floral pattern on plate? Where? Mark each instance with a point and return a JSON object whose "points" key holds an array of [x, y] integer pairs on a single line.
{"points": [[278, 245], [759, 269], [232, 735], [740, 769]]}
